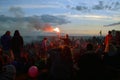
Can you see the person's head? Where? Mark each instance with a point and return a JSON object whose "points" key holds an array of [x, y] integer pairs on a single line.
{"points": [[45, 39], [67, 36], [7, 33], [109, 32], [16, 33]]}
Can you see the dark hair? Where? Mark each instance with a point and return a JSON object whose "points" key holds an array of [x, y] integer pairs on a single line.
{"points": [[16, 33], [7, 33], [67, 35], [109, 32]]}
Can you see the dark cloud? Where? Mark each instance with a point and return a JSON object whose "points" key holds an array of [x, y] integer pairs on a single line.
{"points": [[81, 8], [38, 24], [101, 5], [16, 20], [116, 6], [43, 22], [58, 20]]}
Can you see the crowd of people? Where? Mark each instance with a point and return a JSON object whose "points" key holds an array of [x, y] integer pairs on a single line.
{"points": [[60, 59]]}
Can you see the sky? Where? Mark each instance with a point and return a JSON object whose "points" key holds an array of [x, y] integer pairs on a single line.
{"points": [[74, 17]]}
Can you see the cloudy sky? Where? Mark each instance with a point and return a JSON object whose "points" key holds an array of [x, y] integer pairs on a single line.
{"points": [[78, 17]]}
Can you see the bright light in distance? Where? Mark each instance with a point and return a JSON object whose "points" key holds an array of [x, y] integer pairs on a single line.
{"points": [[56, 30]]}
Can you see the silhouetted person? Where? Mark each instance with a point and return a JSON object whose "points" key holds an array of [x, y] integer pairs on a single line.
{"points": [[44, 45], [108, 40], [6, 41], [44, 49], [66, 40], [17, 44], [62, 64]]}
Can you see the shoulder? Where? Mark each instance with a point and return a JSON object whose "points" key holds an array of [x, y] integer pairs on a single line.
{"points": [[2, 36]]}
